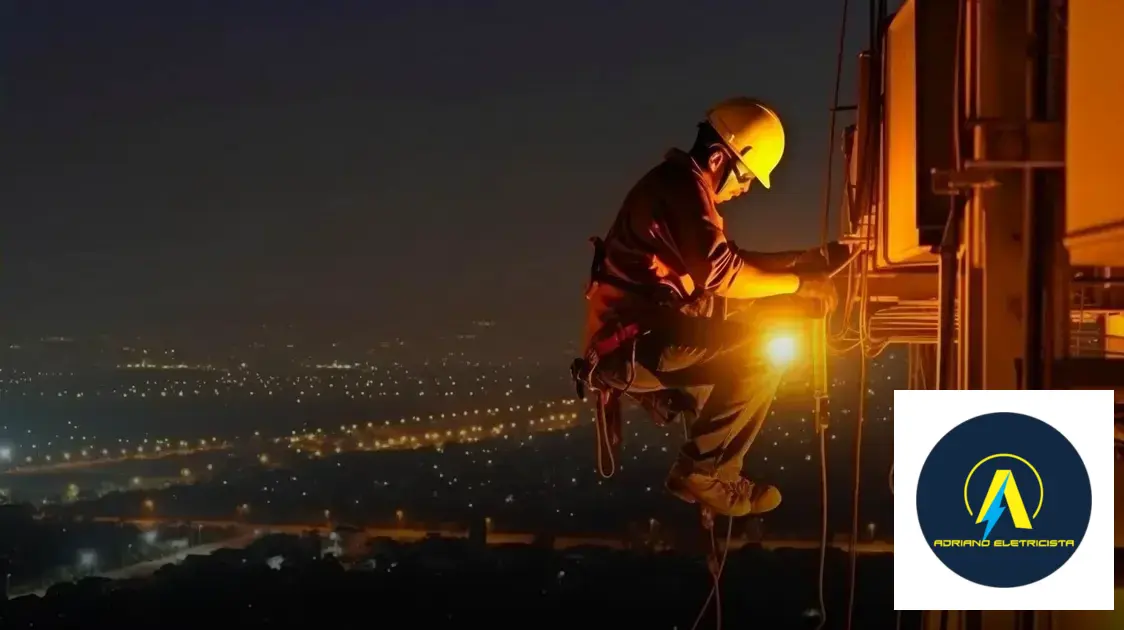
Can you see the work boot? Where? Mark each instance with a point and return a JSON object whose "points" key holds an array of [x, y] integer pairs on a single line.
{"points": [[735, 497]]}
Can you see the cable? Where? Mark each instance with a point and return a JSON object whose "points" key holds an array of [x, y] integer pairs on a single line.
{"points": [[823, 528], [857, 463], [715, 566], [856, 489], [825, 223], [831, 127], [847, 264]]}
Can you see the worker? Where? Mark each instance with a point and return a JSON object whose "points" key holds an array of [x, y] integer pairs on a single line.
{"points": [[656, 302]]}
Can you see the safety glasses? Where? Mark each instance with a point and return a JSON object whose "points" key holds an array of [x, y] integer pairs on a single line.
{"points": [[739, 172], [737, 166]]}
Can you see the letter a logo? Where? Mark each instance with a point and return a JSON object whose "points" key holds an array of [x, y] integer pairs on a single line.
{"points": [[1003, 486]]}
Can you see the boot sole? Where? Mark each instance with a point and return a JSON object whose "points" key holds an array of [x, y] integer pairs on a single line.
{"points": [[682, 491]]}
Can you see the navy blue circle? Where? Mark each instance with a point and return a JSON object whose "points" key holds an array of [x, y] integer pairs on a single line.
{"points": [[1064, 515]]}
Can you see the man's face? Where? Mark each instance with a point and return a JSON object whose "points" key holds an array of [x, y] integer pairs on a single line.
{"points": [[737, 179]]}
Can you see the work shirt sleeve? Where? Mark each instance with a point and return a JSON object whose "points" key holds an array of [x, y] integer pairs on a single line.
{"points": [[713, 263], [770, 261]]}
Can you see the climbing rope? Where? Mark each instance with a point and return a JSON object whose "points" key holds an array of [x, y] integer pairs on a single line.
{"points": [[856, 488], [606, 459], [823, 527], [715, 564]]}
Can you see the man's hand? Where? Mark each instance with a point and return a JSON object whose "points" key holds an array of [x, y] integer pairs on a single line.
{"points": [[813, 260], [818, 286]]}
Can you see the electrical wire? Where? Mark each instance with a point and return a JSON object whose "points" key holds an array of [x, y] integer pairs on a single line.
{"points": [[849, 265], [856, 493], [823, 528], [856, 479], [831, 126]]}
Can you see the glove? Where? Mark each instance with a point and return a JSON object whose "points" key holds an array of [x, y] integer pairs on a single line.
{"points": [[818, 286]]}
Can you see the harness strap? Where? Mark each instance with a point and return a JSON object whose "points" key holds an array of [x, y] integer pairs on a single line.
{"points": [[599, 275], [609, 421]]}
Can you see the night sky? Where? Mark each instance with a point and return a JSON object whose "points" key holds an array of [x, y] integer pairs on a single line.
{"points": [[370, 168]]}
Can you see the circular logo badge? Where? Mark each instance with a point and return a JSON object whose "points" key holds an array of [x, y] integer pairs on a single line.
{"points": [[1004, 500]]}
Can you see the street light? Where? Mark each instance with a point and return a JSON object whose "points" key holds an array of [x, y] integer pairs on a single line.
{"points": [[87, 559], [5, 454]]}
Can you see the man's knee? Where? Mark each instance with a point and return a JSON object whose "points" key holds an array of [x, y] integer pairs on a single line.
{"points": [[755, 375]]}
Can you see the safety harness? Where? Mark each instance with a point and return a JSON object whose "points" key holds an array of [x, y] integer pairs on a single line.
{"points": [[663, 406]]}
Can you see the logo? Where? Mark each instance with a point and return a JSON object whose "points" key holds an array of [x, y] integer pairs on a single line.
{"points": [[1003, 500], [1003, 488]]}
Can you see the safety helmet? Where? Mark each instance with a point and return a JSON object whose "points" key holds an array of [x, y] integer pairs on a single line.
{"points": [[752, 131]]}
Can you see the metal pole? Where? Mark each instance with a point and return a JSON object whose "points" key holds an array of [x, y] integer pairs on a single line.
{"points": [[1039, 208], [946, 335]]}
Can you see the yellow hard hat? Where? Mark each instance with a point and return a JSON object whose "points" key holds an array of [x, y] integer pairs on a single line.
{"points": [[753, 131]]}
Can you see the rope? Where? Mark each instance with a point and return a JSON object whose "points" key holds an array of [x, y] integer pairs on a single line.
{"points": [[856, 492], [715, 564], [823, 528], [604, 448]]}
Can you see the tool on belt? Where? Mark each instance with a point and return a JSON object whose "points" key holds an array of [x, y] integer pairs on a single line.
{"points": [[608, 404], [664, 406]]}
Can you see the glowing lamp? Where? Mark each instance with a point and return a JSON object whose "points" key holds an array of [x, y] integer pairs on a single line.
{"points": [[780, 350]]}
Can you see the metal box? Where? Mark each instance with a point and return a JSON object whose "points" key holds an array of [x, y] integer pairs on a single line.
{"points": [[1095, 133], [917, 133]]}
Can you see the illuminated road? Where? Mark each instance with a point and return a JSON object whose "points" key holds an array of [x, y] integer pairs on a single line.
{"points": [[78, 464], [147, 568], [407, 433], [495, 538]]}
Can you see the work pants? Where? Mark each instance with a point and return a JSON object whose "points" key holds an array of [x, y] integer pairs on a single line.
{"points": [[720, 365]]}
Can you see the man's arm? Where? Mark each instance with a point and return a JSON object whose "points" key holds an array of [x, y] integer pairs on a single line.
{"points": [[712, 261], [800, 262], [776, 262]]}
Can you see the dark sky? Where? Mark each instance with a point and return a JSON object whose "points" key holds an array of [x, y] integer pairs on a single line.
{"points": [[369, 167]]}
